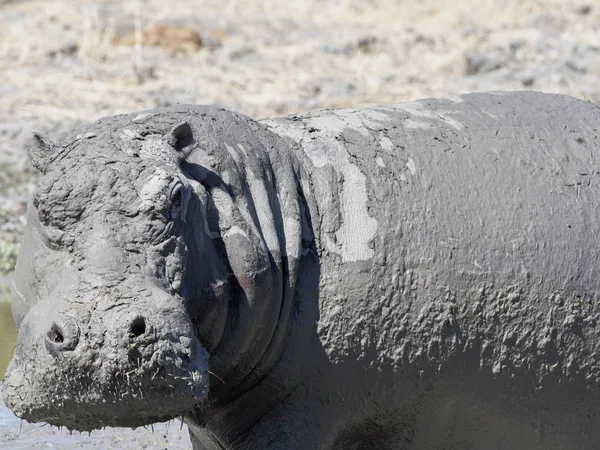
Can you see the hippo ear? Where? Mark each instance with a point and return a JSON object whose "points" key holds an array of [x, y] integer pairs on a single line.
{"points": [[39, 150], [181, 136]]}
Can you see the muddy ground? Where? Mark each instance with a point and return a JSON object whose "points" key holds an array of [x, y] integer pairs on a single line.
{"points": [[64, 63]]}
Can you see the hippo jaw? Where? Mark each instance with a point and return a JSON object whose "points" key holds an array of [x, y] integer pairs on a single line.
{"points": [[131, 374]]}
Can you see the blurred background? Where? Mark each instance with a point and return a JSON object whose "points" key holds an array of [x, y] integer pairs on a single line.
{"points": [[64, 63]]}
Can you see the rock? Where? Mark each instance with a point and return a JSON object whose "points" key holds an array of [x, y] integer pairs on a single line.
{"points": [[528, 80]]}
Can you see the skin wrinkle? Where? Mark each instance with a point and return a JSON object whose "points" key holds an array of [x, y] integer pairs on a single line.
{"points": [[275, 207], [248, 202]]}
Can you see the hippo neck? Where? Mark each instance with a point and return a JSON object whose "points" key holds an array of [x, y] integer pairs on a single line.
{"points": [[280, 370], [253, 180]]}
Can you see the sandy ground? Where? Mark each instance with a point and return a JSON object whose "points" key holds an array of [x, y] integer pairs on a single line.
{"points": [[64, 63]]}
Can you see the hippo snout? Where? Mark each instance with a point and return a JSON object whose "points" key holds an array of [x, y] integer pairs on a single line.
{"points": [[63, 335], [114, 360]]}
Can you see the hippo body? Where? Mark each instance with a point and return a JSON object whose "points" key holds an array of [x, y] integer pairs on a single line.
{"points": [[417, 276]]}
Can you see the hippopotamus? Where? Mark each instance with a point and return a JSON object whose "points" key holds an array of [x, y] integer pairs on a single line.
{"points": [[423, 275]]}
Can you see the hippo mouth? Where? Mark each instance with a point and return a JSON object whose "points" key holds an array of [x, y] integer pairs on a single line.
{"points": [[80, 381]]}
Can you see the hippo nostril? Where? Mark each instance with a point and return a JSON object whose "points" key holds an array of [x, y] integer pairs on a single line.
{"points": [[55, 334], [138, 327], [62, 336]]}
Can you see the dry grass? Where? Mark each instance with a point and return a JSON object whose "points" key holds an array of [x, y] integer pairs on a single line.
{"points": [[61, 61]]}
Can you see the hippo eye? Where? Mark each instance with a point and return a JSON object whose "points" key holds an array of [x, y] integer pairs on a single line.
{"points": [[176, 202]]}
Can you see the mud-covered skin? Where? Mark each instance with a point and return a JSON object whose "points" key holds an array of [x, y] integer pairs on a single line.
{"points": [[145, 251], [415, 276]]}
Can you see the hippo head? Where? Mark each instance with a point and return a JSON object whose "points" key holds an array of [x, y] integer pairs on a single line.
{"points": [[104, 335], [153, 251]]}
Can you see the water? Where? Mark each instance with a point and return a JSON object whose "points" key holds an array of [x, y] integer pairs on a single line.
{"points": [[8, 330]]}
